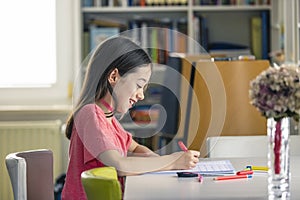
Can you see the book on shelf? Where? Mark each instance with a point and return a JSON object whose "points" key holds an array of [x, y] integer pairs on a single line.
{"points": [[196, 32], [256, 36], [107, 3], [107, 23], [201, 32], [265, 27], [87, 3], [143, 3], [160, 36], [231, 2], [154, 45], [182, 36], [260, 35], [99, 34], [224, 49], [86, 44], [100, 30]]}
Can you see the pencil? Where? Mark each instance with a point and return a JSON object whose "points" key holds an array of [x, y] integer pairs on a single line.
{"points": [[243, 176], [259, 168]]}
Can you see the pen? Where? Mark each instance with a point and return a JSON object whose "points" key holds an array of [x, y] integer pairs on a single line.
{"points": [[186, 174], [221, 178], [211, 174], [260, 168], [182, 146], [243, 172]]}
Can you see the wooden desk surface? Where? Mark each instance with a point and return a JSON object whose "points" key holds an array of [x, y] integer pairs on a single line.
{"points": [[167, 186]]}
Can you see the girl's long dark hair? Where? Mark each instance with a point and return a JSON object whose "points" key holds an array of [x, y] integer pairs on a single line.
{"points": [[118, 52]]}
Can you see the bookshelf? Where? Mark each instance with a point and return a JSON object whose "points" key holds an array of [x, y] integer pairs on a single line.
{"points": [[225, 23], [230, 23]]}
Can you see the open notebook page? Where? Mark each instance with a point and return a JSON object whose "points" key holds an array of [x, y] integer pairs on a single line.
{"points": [[206, 167]]}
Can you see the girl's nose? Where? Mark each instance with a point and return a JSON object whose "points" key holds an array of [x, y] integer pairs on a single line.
{"points": [[140, 94]]}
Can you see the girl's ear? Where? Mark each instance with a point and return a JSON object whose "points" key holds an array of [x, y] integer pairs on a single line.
{"points": [[113, 76]]}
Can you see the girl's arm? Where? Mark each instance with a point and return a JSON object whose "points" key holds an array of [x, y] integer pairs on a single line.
{"points": [[139, 165], [136, 149]]}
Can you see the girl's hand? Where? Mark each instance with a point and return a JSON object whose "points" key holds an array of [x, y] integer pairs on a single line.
{"points": [[186, 160]]}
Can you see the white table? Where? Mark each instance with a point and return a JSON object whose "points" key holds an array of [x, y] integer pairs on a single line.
{"points": [[157, 186]]}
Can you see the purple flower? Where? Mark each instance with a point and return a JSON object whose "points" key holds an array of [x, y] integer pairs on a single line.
{"points": [[275, 92]]}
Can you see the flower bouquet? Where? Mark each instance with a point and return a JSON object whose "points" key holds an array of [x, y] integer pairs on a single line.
{"points": [[276, 95], [276, 92]]}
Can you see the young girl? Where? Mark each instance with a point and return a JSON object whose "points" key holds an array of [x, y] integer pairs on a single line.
{"points": [[117, 74]]}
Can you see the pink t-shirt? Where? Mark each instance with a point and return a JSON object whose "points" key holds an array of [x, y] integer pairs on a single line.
{"points": [[92, 134]]}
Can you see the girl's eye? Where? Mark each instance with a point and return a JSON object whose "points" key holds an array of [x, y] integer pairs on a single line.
{"points": [[145, 87], [141, 86]]}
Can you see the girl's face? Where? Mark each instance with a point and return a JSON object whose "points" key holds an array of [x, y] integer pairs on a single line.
{"points": [[129, 88]]}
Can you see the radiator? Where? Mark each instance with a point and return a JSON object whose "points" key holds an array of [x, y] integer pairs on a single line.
{"points": [[27, 135]]}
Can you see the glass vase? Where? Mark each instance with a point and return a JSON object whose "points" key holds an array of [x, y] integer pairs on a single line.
{"points": [[278, 158]]}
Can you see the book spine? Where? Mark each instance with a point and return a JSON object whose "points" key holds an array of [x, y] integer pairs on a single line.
{"points": [[204, 33], [256, 36], [154, 49], [99, 34], [87, 3], [86, 44], [196, 33], [144, 35], [265, 34], [97, 3]]}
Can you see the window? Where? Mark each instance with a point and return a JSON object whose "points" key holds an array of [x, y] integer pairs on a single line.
{"points": [[28, 43], [35, 44]]}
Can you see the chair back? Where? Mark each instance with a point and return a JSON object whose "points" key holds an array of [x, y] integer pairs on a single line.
{"points": [[101, 183], [31, 174]]}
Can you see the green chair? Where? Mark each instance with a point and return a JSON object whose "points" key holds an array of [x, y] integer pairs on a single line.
{"points": [[101, 183]]}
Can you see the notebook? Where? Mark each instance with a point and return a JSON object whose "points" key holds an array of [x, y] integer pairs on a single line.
{"points": [[216, 167]]}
